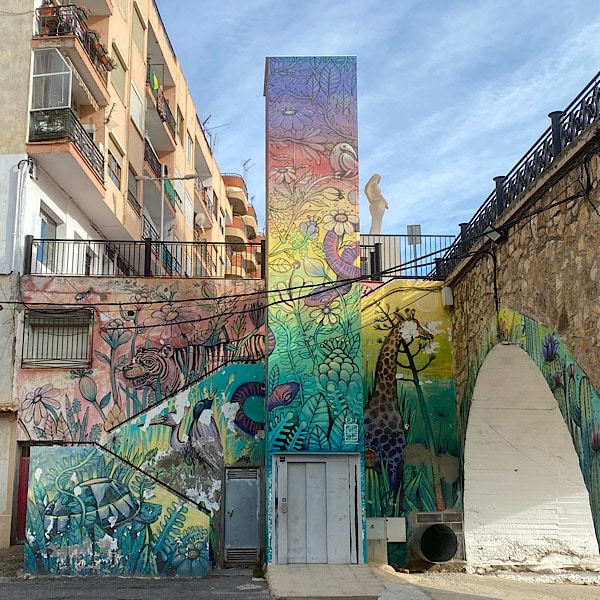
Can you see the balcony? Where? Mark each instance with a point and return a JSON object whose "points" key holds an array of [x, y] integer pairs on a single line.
{"points": [[202, 213], [62, 147], [236, 193], [160, 122], [151, 159], [236, 232], [251, 223], [64, 28], [148, 258]]}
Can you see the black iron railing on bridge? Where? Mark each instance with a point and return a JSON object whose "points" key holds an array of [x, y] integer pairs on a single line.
{"points": [[384, 257], [148, 258], [565, 127]]}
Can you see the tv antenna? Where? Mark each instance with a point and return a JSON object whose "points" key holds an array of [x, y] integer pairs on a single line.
{"points": [[246, 167]]}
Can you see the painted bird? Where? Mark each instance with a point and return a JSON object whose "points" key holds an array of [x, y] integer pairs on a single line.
{"points": [[344, 160], [202, 441]]}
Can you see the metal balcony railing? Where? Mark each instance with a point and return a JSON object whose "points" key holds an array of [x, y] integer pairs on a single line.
{"points": [[564, 128], [148, 231], [148, 258], [61, 123], [171, 193], [151, 158], [71, 20], [162, 104]]}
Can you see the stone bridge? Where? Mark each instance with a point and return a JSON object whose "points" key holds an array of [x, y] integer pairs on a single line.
{"points": [[526, 348]]}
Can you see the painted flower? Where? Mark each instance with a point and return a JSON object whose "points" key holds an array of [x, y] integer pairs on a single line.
{"points": [[340, 222], [172, 324], [39, 403], [333, 194], [191, 560], [115, 333], [290, 118], [283, 175], [310, 230], [312, 144], [557, 380], [549, 348], [328, 314]]}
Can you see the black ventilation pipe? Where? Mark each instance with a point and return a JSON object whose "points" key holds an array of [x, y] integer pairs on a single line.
{"points": [[434, 543]]}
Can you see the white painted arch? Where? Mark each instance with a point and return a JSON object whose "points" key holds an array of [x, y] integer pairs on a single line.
{"points": [[525, 501]]}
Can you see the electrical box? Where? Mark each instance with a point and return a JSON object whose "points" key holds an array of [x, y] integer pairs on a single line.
{"points": [[390, 529], [375, 528], [395, 529]]}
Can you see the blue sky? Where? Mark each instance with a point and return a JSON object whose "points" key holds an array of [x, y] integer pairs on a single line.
{"points": [[451, 92]]}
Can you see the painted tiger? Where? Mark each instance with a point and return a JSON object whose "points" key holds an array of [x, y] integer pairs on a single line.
{"points": [[154, 368], [171, 369]]}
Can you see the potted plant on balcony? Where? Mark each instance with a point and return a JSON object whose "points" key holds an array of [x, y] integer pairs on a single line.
{"points": [[110, 64], [46, 9]]}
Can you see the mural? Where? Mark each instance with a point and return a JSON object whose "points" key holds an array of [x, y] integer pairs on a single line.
{"points": [[411, 433], [91, 513], [174, 393], [313, 251], [578, 401]]}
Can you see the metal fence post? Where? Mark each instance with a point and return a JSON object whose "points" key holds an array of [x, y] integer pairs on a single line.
{"points": [[147, 256], [557, 146], [263, 259], [376, 274], [500, 197], [464, 242], [28, 254]]}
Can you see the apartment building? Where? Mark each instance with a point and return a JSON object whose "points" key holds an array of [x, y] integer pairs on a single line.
{"points": [[105, 170]]}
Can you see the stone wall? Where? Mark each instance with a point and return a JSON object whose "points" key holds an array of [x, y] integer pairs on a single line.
{"points": [[547, 268]]}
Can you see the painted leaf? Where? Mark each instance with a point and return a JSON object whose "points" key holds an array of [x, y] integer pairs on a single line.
{"points": [[105, 400], [280, 265], [103, 357], [317, 440]]}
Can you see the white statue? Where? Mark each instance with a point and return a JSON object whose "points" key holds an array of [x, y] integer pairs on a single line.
{"points": [[377, 203]]}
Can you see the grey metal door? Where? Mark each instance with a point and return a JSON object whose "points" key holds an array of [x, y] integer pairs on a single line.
{"points": [[242, 516]]}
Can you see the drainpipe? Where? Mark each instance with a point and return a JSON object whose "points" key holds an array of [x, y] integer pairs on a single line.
{"points": [[18, 207]]}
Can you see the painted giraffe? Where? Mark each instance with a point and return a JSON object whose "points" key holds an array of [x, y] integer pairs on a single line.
{"points": [[385, 432]]}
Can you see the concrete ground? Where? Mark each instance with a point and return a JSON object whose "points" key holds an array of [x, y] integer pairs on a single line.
{"points": [[306, 582]]}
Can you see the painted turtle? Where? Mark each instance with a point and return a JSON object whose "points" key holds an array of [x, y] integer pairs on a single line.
{"points": [[105, 502]]}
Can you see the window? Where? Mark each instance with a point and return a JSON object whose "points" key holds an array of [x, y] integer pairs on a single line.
{"points": [[189, 211], [137, 108], [123, 7], [53, 338], [114, 162], [189, 148], [46, 247], [117, 75], [138, 29], [114, 169], [51, 80], [178, 187], [180, 125], [132, 192]]}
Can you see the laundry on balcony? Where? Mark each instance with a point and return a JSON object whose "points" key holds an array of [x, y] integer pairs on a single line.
{"points": [[160, 103]]}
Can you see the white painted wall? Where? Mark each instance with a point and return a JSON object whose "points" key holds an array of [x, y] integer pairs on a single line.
{"points": [[525, 501]]}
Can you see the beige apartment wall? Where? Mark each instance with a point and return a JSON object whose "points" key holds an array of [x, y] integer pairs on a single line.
{"points": [[16, 28]]}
